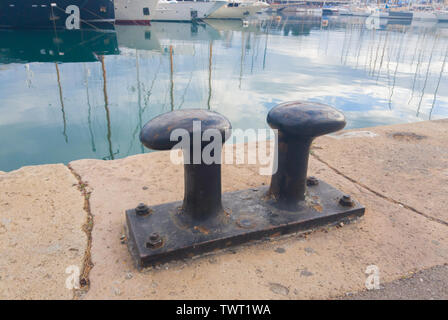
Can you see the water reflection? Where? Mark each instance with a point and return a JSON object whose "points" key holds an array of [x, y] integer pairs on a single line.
{"points": [[87, 94]]}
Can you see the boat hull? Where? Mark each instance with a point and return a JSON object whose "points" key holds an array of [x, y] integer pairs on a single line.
{"points": [[241, 11], [442, 16], [424, 16], [135, 12], [65, 14], [186, 11]]}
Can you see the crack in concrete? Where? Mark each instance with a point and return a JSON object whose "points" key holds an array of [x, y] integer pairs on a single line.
{"points": [[84, 280], [380, 194]]}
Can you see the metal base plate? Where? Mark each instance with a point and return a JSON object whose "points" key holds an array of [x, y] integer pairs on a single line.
{"points": [[247, 215]]}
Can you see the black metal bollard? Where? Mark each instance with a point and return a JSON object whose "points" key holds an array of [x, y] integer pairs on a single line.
{"points": [[207, 220], [298, 123], [202, 198]]}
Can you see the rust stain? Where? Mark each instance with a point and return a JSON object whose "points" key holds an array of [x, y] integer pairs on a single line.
{"points": [[202, 229]]}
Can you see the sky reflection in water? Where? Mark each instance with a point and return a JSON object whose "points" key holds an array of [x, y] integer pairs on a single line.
{"points": [[87, 94]]}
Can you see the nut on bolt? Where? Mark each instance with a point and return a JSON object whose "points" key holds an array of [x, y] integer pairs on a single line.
{"points": [[142, 209], [346, 201], [154, 241], [312, 181]]}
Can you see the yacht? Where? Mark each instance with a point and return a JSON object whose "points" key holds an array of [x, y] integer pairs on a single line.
{"points": [[172, 10], [442, 16], [239, 9], [423, 13], [138, 12], [60, 14]]}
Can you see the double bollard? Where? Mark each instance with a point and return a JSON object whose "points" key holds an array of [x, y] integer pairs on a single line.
{"points": [[207, 219]]}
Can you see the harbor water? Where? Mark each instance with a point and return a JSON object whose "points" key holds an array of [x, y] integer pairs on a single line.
{"points": [[67, 95]]}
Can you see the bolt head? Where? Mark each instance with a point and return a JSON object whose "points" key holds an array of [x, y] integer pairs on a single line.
{"points": [[312, 181], [154, 241], [346, 201], [142, 209]]}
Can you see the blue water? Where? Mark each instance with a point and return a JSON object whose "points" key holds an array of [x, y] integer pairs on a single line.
{"points": [[72, 96]]}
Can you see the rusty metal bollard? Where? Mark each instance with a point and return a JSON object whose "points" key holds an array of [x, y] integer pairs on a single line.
{"points": [[202, 199], [207, 220], [298, 123]]}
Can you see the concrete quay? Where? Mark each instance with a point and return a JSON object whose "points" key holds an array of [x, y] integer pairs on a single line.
{"points": [[56, 218]]}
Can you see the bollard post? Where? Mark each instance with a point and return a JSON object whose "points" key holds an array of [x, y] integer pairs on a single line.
{"points": [[297, 124], [206, 219], [202, 181]]}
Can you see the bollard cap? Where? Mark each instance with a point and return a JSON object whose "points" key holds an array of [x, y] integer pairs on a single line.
{"points": [[157, 132], [305, 119]]}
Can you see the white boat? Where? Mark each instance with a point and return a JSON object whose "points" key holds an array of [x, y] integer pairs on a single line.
{"points": [[345, 11], [239, 9], [424, 16], [442, 16], [134, 11], [172, 10]]}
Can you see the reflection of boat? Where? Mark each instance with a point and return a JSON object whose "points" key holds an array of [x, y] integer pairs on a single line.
{"points": [[172, 10], [134, 11], [20, 46], [329, 11], [224, 25], [68, 14], [400, 15], [184, 32], [239, 9], [137, 37]]}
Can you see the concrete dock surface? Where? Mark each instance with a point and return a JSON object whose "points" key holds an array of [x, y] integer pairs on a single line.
{"points": [[55, 219]]}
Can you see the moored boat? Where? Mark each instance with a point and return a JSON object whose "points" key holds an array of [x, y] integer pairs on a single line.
{"points": [[442, 16], [172, 10], [138, 12], [66, 14], [239, 9]]}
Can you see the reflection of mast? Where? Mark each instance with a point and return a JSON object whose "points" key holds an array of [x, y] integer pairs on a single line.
{"points": [[210, 61], [106, 108], [438, 83], [266, 43], [242, 58], [426, 76], [61, 98], [172, 79], [417, 67], [382, 55], [139, 99], [396, 69], [89, 122]]}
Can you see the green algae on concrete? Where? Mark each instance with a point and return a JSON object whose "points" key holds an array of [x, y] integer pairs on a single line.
{"points": [[41, 237]]}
